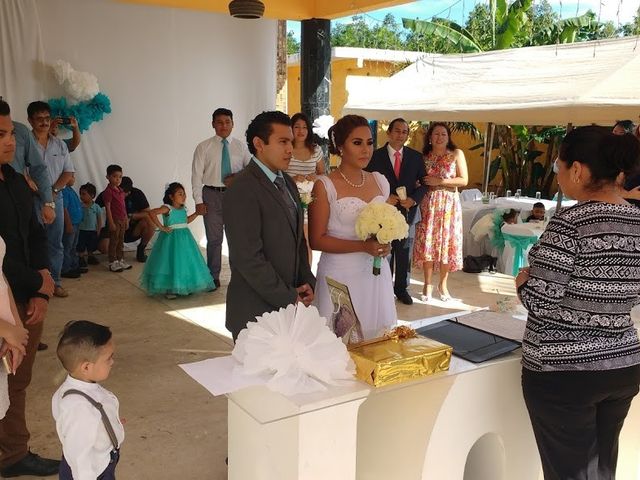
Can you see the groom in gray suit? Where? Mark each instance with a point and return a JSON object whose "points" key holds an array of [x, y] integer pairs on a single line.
{"points": [[264, 221]]}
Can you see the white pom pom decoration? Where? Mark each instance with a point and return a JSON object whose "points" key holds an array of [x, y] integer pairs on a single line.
{"points": [[296, 348], [80, 86]]}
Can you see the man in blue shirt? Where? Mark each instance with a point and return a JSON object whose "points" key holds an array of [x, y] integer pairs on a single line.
{"points": [[56, 158], [28, 161]]}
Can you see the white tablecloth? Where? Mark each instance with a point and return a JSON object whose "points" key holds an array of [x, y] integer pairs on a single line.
{"points": [[471, 213], [475, 210], [525, 204]]}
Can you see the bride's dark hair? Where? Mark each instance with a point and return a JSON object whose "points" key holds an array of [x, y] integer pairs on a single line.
{"points": [[339, 132]]}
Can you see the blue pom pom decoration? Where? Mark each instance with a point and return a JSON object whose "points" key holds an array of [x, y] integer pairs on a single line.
{"points": [[85, 112]]}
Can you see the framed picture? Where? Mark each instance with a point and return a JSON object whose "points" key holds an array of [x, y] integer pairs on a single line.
{"points": [[344, 321]]}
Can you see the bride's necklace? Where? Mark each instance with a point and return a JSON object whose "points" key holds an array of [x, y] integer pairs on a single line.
{"points": [[349, 182]]}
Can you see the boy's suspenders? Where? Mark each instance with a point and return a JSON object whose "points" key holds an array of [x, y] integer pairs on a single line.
{"points": [[103, 414]]}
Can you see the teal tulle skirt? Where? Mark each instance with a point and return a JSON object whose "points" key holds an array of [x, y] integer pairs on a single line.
{"points": [[176, 266]]}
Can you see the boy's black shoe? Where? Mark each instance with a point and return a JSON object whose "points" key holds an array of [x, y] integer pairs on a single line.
{"points": [[140, 255], [32, 464], [82, 262], [82, 269], [92, 260]]}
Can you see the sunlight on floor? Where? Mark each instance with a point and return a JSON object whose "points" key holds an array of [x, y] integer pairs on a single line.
{"points": [[208, 317], [497, 283], [473, 292]]}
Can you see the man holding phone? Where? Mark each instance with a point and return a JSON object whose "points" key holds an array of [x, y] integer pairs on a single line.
{"points": [[72, 123], [25, 266]]}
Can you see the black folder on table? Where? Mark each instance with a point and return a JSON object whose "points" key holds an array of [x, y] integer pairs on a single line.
{"points": [[469, 343]]}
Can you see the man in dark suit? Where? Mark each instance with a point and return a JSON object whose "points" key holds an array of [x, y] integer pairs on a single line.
{"points": [[403, 167], [26, 267], [263, 221]]}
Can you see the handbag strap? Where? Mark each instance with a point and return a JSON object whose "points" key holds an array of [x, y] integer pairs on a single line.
{"points": [[103, 414]]}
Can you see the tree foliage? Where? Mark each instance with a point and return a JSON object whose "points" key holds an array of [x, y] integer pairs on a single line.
{"points": [[632, 28], [358, 33], [293, 45], [493, 25], [450, 33]]}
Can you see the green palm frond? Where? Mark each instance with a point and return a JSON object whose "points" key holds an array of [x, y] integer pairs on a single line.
{"points": [[448, 31]]}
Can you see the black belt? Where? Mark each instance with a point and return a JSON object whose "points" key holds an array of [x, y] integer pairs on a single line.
{"points": [[216, 189]]}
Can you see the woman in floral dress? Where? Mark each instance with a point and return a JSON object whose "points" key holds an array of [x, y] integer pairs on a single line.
{"points": [[438, 243]]}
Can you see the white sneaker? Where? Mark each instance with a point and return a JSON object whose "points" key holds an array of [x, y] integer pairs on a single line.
{"points": [[125, 265], [115, 266]]}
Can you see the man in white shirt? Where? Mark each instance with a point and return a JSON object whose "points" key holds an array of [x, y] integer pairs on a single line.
{"points": [[215, 162]]}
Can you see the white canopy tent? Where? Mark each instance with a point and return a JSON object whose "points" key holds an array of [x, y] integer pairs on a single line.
{"points": [[581, 83]]}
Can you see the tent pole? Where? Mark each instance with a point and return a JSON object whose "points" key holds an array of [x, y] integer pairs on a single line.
{"points": [[559, 200], [484, 157], [488, 147]]}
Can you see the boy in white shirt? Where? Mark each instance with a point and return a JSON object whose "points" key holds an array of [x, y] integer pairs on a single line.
{"points": [[90, 437]]}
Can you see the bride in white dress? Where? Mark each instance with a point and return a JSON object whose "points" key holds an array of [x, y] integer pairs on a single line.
{"points": [[13, 334], [338, 200]]}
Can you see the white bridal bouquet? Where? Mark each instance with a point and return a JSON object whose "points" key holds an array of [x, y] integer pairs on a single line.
{"points": [[304, 189], [384, 222]]}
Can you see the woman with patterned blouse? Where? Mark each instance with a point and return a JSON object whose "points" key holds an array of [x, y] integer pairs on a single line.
{"points": [[581, 353]]}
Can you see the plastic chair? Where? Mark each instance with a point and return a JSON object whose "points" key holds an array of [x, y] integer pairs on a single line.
{"points": [[518, 239], [470, 195]]}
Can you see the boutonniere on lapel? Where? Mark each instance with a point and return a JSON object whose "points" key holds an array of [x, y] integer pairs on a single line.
{"points": [[304, 189]]}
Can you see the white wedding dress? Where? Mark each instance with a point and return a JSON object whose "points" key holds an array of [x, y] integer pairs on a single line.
{"points": [[372, 295], [7, 316]]}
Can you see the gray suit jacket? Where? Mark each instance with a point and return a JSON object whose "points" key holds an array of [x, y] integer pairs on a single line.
{"points": [[267, 250]]}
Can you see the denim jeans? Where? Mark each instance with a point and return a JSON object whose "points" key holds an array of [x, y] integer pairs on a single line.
{"points": [[54, 239], [70, 241]]}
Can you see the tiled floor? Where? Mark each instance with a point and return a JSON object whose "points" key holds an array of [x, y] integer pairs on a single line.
{"points": [[174, 428]]}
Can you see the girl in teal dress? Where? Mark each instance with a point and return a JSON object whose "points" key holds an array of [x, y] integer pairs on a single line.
{"points": [[175, 266]]}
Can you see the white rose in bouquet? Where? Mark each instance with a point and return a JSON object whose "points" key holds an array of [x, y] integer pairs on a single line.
{"points": [[384, 222]]}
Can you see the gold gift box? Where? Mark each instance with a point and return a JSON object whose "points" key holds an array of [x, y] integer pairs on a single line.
{"points": [[395, 358]]}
